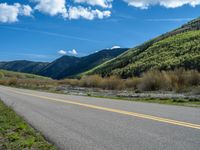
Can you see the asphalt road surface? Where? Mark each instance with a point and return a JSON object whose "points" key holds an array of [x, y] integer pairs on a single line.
{"points": [[85, 123]]}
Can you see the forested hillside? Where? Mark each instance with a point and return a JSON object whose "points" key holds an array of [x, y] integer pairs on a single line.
{"points": [[179, 48]]}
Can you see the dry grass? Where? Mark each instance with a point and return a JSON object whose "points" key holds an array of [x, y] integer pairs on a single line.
{"points": [[153, 80], [177, 80], [112, 83], [90, 81], [28, 83], [132, 83], [71, 82]]}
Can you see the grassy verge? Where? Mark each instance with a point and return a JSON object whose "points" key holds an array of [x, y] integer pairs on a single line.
{"points": [[167, 101], [15, 133]]}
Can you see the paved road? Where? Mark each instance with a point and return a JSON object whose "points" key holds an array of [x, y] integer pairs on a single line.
{"points": [[84, 123]]}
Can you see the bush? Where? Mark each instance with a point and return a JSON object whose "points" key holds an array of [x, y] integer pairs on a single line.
{"points": [[3, 82], [91, 81], [132, 83], [177, 80], [112, 83], [154, 80], [12, 82], [192, 78], [181, 79], [1, 75]]}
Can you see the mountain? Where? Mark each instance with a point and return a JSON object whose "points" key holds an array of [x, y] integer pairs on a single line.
{"points": [[23, 66], [88, 62], [66, 66], [59, 66], [178, 48]]}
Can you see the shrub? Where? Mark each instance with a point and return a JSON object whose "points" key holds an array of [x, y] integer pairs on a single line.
{"points": [[12, 82], [177, 79], [1, 75], [192, 78], [71, 82], [181, 79], [91, 81], [153, 80], [3, 82], [132, 83], [112, 83]]}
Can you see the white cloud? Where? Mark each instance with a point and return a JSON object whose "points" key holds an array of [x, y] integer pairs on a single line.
{"points": [[144, 4], [62, 52], [102, 3], [26, 10], [52, 7], [73, 52], [10, 13], [115, 47], [58, 7], [87, 13]]}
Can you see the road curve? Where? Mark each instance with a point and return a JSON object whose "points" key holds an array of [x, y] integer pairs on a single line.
{"points": [[85, 123]]}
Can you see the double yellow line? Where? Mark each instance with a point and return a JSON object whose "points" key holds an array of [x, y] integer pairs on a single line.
{"points": [[144, 116]]}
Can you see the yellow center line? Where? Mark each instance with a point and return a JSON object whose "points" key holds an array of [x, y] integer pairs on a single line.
{"points": [[144, 116]]}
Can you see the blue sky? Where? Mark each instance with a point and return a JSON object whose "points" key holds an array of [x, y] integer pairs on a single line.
{"points": [[38, 30]]}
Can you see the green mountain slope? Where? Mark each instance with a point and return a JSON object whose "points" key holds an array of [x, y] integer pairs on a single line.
{"points": [[179, 48]]}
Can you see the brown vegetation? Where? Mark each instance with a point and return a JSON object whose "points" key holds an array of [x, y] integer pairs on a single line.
{"points": [[177, 80]]}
